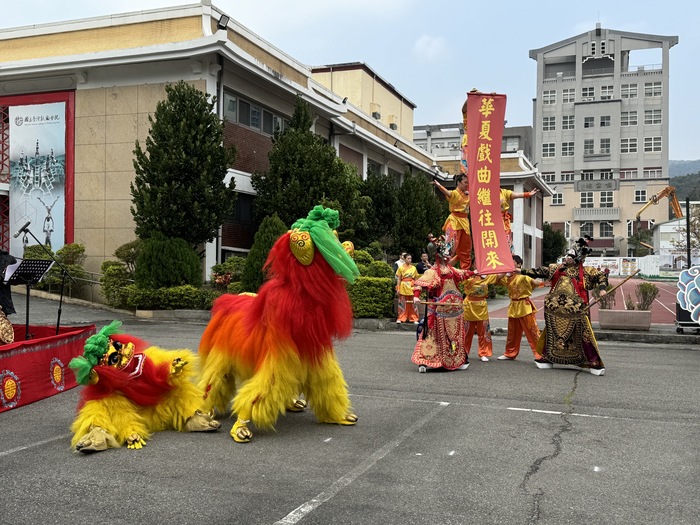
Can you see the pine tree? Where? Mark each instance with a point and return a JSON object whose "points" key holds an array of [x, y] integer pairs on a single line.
{"points": [[553, 244], [381, 214], [179, 187], [305, 171], [269, 231]]}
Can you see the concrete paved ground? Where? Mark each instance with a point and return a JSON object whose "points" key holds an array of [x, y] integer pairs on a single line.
{"points": [[501, 442]]}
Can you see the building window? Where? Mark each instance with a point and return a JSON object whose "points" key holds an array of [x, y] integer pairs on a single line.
{"points": [[511, 144], [588, 93], [640, 196], [606, 92], [628, 174], [605, 145], [548, 149], [586, 199], [606, 175], [652, 116], [567, 229], [549, 123], [557, 199], [588, 147], [567, 122], [651, 173], [548, 177], [628, 145], [587, 229], [586, 175], [567, 176], [606, 199], [605, 121], [588, 122], [549, 96], [630, 228], [652, 89], [568, 95], [567, 149], [230, 108], [606, 229], [652, 144], [628, 91], [628, 118]]}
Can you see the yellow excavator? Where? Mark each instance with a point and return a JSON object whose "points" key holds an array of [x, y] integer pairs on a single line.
{"points": [[668, 191]]}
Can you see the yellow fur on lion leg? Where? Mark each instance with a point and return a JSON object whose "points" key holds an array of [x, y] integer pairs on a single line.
{"points": [[115, 414], [217, 382], [327, 392]]}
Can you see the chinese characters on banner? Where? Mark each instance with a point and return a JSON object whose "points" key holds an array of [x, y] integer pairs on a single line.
{"points": [[485, 121]]}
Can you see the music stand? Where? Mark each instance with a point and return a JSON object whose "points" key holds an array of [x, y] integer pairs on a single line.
{"points": [[29, 272]]}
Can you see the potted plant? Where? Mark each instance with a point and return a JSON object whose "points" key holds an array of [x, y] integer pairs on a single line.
{"points": [[636, 315]]}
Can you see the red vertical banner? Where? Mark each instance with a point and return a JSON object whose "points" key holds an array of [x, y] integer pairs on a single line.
{"points": [[485, 121]]}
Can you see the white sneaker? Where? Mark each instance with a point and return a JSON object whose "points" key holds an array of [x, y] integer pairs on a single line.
{"points": [[484, 359], [463, 367], [543, 365], [597, 371], [415, 322], [422, 369], [504, 358], [398, 322]]}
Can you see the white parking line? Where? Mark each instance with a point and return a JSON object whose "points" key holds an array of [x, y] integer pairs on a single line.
{"points": [[554, 412], [32, 445]]}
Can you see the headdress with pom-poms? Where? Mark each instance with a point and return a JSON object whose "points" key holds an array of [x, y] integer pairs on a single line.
{"points": [[96, 346]]}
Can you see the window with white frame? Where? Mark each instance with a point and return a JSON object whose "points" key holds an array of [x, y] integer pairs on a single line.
{"points": [[588, 146], [549, 149], [605, 145], [640, 196], [652, 144], [567, 122], [586, 199], [606, 92], [567, 149], [652, 173], [628, 118], [549, 96], [652, 116], [606, 229], [557, 199], [586, 229], [628, 91], [548, 177], [606, 175], [567, 229], [588, 93], [628, 174], [549, 123], [568, 95], [630, 228], [605, 121], [652, 89], [606, 199], [567, 176], [588, 122], [587, 175], [628, 145], [230, 104]]}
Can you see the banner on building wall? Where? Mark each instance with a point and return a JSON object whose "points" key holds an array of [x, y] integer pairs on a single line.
{"points": [[485, 121], [38, 174]]}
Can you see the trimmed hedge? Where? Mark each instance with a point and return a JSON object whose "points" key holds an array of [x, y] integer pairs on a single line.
{"points": [[372, 297]]}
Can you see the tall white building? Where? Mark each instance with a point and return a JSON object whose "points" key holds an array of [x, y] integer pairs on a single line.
{"points": [[601, 132]]}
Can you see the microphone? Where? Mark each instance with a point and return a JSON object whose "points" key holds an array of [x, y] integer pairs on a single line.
{"points": [[22, 229]]}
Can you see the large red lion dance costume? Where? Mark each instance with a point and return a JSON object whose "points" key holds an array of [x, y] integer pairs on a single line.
{"points": [[260, 352]]}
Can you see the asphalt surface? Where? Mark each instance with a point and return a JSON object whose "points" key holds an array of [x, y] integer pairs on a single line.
{"points": [[501, 443]]}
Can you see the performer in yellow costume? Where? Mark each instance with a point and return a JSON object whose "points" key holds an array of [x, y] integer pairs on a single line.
{"points": [[456, 227], [406, 274], [476, 314], [507, 196]]}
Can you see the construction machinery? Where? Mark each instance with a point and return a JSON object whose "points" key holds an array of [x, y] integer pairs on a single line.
{"points": [[668, 191]]}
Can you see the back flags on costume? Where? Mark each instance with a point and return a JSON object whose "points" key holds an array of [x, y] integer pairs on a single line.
{"points": [[485, 121]]}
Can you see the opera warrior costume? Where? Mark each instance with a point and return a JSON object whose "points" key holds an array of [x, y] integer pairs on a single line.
{"points": [[568, 337], [441, 342]]}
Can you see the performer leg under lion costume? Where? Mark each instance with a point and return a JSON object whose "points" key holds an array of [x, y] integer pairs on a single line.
{"points": [[260, 352], [134, 390]]}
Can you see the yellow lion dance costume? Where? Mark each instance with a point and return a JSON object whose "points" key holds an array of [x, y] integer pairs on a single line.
{"points": [[133, 390], [259, 352]]}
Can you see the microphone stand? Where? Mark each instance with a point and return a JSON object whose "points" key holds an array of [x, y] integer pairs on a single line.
{"points": [[64, 273]]}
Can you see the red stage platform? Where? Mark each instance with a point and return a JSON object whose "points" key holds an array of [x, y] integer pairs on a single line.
{"points": [[33, 369]]}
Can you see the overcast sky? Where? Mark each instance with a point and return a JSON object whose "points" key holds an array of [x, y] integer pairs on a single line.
{"points": [[434, 52]]}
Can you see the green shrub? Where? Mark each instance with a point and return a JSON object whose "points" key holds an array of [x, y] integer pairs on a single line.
{"points": [[114, 280], [372, 297], [129, 253], [166, 262], [362, 268], [363, 257], [376, 251], [646, 294], [271, 228], [186, 297], [380, 269], [227, 272], [71, 256], [234, 287]]}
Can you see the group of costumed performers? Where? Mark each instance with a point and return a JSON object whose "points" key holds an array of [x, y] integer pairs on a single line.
{"points": [[568, 339], [133, 389]]}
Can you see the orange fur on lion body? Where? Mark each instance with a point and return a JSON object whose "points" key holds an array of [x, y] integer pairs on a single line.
{"points": [[259, 352]]}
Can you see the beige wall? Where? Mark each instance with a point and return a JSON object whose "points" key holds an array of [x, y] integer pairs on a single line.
{"points": [[108, 121]]}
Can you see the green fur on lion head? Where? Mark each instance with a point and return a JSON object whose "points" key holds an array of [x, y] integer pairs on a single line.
{"points": [[320, 224], [96, 346]]}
